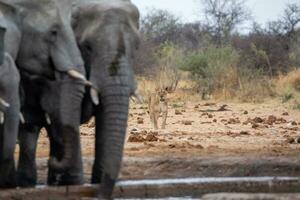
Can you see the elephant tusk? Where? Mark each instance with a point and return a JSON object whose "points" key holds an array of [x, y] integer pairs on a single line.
{"points": [[22, 119], [95, 96], [135, 97], [4, 103], [48, 120], [75, 74], [2, 118]]}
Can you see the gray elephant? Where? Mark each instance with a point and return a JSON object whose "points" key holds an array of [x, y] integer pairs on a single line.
{"points": [[48, 57], [9, 96], [107, 34]]}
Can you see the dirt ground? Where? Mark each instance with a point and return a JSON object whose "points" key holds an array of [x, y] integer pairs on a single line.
{"points": [[204, 139]]}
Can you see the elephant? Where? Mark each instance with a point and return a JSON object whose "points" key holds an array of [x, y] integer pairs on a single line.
{"points": [[9, 96], [52, 84], [107, 35]]}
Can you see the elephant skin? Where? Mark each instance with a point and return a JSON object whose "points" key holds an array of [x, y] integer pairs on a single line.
{"points": [[107, 34], [9, 95], [47, 56]]}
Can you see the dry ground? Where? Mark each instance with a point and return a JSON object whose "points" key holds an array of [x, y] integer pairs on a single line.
{"points": [[203, 140]]}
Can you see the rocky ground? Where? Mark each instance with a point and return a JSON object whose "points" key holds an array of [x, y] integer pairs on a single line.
{"points": [[204, 139]]}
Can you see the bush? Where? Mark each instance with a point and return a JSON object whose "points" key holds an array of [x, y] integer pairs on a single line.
{"points": [[213, 69], [168, 57]]}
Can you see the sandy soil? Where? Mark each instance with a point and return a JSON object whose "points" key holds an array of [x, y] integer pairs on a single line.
{"points": [[204, 139]]}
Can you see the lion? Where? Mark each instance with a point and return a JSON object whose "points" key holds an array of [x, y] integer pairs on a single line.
{"points": [[158, 106]]}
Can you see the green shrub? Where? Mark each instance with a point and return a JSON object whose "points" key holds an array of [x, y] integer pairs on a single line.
{"points": [[212, 68]]}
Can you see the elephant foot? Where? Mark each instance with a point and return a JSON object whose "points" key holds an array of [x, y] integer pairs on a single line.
{"points": [[73, 176], [56, 179], [8, 178], [68, 179], [24, 180], [107, 187]]}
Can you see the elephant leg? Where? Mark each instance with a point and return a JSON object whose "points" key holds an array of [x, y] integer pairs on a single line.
{"points": [[8, 139], [72, 176], [27, 170], [7, 167], [55, 147]]}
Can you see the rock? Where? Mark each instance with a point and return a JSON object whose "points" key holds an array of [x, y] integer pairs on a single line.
{"points": [[234, 121], [290, 140], [210, 116], [134, 130], [255, 125], [196, 106], [135, 138], [209, 104], [271, 120], [151, 138], [285, 114], [258, 120], [187, 122], [244, 133], [140, 120], [215, 120], [177, 112], [246, 112]]}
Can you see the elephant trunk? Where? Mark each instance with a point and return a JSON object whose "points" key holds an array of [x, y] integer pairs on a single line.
{"points": [[68, 122], [112, 116]]}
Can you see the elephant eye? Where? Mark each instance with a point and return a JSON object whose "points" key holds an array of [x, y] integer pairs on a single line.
{"points": [[53, 32]]}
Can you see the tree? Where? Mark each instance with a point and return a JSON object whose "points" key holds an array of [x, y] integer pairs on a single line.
{"points": [[224, 16], [160, 26]]}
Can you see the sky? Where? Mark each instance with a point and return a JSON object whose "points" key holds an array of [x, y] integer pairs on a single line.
{"points": [[190, 10]]}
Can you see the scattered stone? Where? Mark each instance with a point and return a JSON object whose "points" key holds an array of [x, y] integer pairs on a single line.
{"points": [[196, 106], [177, 112], [223, 108], [246, 112], [297, 140], [234, 121], [285, 114], [135, 138], [209, 104], [290, 140], [215, 120], [210, 116], [258, 120], [151, 138], [187, 122], [199, 146], [244, 133], [255, 126], [271, 120], [134, 131], [140, 120], [143, 136]]}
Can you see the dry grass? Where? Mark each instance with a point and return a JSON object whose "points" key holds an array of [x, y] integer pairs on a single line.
{"points": [[233, 88], [290, 81]]}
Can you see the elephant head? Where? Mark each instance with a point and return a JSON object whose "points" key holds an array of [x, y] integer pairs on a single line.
{"points": [[107, 33], [48, 49]]}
